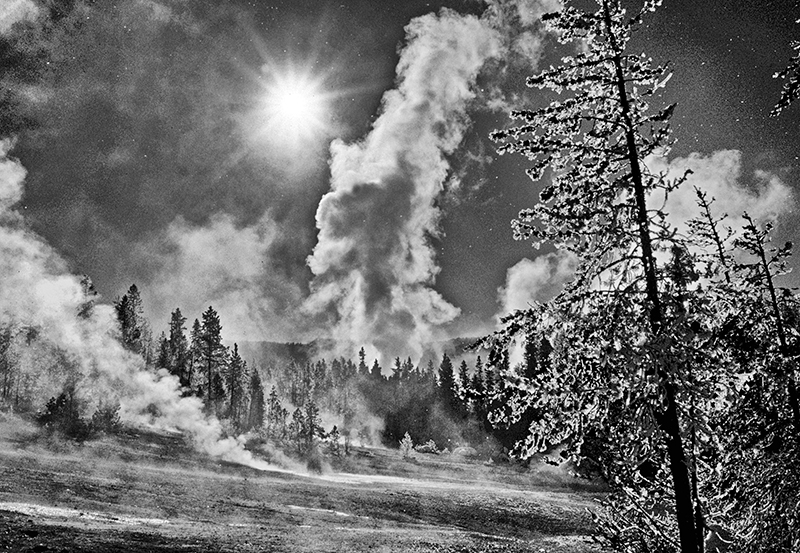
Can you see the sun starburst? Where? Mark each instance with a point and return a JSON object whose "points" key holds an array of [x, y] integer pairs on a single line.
{"points": [[295, 109]]}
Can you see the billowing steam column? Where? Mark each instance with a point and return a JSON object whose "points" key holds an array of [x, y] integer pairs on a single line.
{"points": [[39, 293], [373, 263]]}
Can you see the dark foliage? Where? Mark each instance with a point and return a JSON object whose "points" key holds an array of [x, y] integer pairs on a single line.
{"points": [[63, 414], [106, 419]]}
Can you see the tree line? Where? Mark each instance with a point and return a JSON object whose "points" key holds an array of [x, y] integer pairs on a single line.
{"points": [[365, 403], [283, 401]]}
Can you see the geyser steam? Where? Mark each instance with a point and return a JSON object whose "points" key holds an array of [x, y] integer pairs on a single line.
{"points": [[40, 294], [373, 263]]}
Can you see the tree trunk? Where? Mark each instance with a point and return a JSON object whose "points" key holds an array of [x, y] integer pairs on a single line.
{"points": [[690, 536], [794, 402], [209, 376]]}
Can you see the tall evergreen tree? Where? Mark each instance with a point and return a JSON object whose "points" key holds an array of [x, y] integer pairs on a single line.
{"points": [[759, 440], [321, 381], [363, 369], [178, 346], [163, 358], [211, 353], [7, 369], [596, 205], [218, 391], [477, 388], [134, 329], [350, 370], [429, 374], [311, 426], [463, 379], [770, 263], [195, 366], [375, 372], [337, 372], [276, 415], [397, 370], [256, 405], [408, 369], [297, 431], [235, 381], [447, 385]]}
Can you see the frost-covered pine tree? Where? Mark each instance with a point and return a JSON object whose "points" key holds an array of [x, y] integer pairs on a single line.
{"points": [[758, 484], [618, 371], [791, 85]]}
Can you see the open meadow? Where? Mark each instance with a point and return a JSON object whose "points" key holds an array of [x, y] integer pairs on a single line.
{"points": [[150, 492]]}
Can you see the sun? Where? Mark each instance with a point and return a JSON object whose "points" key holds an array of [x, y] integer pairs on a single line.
{"points": [[295, 109]]}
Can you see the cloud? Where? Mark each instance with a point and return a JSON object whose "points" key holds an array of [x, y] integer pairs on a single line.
{"points": [[16, 11], [529, 45], [161, 12], [12, 174], [373, 263], [524, 39], [515, 14], [539, 280], [763, 195]]}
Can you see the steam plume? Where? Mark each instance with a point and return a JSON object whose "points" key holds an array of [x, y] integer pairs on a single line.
{"points": [[230, 267], [373, 263], [530, 11], [14, 11], [39, 293], [720, 176], [540, 279]]}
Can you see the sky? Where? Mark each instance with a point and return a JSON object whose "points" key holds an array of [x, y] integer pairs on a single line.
{"points": [[156, 151]]}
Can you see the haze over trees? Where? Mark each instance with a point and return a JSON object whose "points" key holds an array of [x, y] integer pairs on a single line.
{"points": [[296, 402]]}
